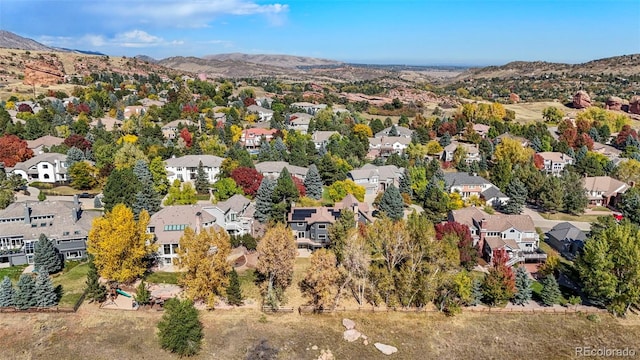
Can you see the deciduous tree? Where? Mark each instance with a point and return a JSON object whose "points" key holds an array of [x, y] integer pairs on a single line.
{"points": [[203, 258], [181, 194], [339, 189], [120, 245], [276, 257], [121, 188], [575, 198], [499, 284], [13, 150], [320, 282], [552, 194], [462, 234], [225, 188], [83, 175], [248, 179]]}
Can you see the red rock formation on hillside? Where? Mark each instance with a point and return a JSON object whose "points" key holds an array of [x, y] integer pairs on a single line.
{"points": [[514, 98], [634, 105], [43, 73], [581, 100], [613, 103]]}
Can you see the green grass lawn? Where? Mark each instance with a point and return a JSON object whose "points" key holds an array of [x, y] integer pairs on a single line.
{"points": [[12, 272], [66, 191], [568, 217], [248, 285], [162, 277], [72, 282]]}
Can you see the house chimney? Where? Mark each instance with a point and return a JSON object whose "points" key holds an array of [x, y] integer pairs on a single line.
{"points": [[76, 201], [75, 214], [198, 221], [27, 214], [483, 224]]}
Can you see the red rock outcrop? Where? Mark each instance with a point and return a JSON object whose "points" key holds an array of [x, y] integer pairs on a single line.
{"points": [[581, 100], [613, 103], [634, 105], [42, 73], [514, 98]]}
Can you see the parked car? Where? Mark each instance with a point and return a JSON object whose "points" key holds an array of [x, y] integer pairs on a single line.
{"points": [[20, 188], [86, 195]]}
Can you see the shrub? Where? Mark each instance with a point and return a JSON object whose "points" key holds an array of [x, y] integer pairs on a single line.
{"points": [[180, 330]]}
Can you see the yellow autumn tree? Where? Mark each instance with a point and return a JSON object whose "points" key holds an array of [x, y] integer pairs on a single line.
{"points": [[277, 252], [512, 150], [120, 245], [202, 257], [236, 133], [320, 282], [362, 131], [339, 189]]}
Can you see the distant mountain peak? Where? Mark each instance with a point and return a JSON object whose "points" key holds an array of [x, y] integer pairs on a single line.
{"points": [[285, 61], [14, 41]]}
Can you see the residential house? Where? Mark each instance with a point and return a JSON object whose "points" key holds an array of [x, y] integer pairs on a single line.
{"points": [[300, 122], [264, 115], [516, 234], [252, 138], [481, 129], [132, 110], [39, 145], [376, 178], [310, 225], [401, 130], [554, 162], [308, 107], [609, 151], [387, 145], [64, 223], [472, 152], [472, 185], [567, 239], [523, 141], [185, 168], [168, 225], [265, 102], [235, 215], [172, 130], [604, 190], [321, 138], [48, 168], [146, 102], [272, 169], [109, 123]]}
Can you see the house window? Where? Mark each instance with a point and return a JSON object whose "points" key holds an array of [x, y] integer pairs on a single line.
{"points": [[300, 224], [66, 233], [34, 225], [322, 236], [43, 224], [46, 176], [166, 249], [300, 235], [322, 226], [73, 254], [174, 248], [45, 166], [77, 232], [152, 229]]}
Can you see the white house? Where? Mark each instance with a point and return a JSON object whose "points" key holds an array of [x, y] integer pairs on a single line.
{"points": [[300, 122], [308, 107], [321, 138], [170, 130], [47, 167], [554, 162], [469, 185], [235, 215], [472, 152], [272, 169], [400, 130], [376, 178], [185, 168], [264, 115], [389, 144]]}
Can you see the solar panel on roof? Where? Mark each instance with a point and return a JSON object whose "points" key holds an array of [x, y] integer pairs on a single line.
{"points": [[301, 214]]}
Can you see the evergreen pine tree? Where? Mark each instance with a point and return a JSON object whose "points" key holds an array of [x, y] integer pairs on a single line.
{"points": [[517, 193], [405, 184], [552, 195], [73, 156], [283, 194], [6, 293], [523, 287], [313, 183], [44, 293], [147, 197], [445, 139], [279, 150], [23, 297], [95, 291], [476, 292], [121, 188], [263, 199], [265, 153], [143, 295], [575, 198], [202, 182], [180, 330], [97, 203], [392, 204], [550, 291], [234, 292], [393, 131], [45, 257]]}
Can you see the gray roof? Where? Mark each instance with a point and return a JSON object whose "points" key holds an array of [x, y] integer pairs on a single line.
{"points": [[236, 203], [277, 166], [46, 157], [193, 161], [177, 215], [384, 172], [462, 178], [389, 141], [493, 193], [57, 216], [566, 230], [46, 140], [175, 123], [259, 109], [402, 131], [322, 136]]}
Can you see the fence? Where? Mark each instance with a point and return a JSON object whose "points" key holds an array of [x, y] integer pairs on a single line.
{"points": [[480, 309]]}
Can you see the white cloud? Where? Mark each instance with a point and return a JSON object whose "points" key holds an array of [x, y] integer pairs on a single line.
{"points": [[186, 13], [130, 39]]}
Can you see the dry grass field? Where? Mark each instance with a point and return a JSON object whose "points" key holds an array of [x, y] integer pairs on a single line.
{"points": [[532, 112], [110, 334]]}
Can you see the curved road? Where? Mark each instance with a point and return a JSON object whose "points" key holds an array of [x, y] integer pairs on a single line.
{"points": [[546, 225]]}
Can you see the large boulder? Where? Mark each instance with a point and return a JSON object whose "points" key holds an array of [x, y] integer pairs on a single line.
{"points": [[348, 324], [351, 335], [43, 73], [386, 349], [634, 105], [514, 98], [581, 100], [613, 103]]}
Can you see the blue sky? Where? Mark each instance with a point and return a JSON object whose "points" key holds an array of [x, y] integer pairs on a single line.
{"points": [[416, 32]]}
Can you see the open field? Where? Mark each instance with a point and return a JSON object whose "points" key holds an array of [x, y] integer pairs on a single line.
{"points": [[532, 112], [107, 334], [73, 283]]}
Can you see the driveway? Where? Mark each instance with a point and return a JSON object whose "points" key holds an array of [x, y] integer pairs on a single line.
{"points": [[33, 196], [546, 225]]}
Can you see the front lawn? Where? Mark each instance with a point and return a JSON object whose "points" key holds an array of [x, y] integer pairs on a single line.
{"points": [[12, 272], [162, 277], [569, 217], [72, 282]]}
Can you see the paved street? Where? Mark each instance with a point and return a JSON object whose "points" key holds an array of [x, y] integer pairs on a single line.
{"points": [[33, 196], [546, 225]]}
